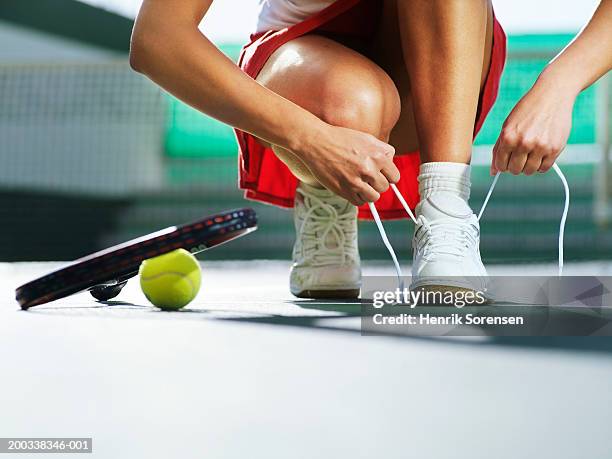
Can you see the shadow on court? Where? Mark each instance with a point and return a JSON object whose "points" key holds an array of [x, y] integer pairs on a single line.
{"points": [[338, 317], [601, 344]]}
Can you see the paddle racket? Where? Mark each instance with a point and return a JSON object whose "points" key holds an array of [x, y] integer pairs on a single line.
{"points": [[106, 272]]}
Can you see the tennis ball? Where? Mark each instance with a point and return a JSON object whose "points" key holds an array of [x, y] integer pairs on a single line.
{"points": [[172, 280]]}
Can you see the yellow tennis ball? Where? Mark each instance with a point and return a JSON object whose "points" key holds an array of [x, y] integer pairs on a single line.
{"points": [[172, 280]]}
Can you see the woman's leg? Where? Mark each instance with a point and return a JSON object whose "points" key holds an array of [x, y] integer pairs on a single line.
{"points": [[335, 83], [345, 89], [439, 70], [446, 46]]}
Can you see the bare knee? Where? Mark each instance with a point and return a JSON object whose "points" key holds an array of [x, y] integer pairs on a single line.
{"points": [[335, 83], [363, 98]]}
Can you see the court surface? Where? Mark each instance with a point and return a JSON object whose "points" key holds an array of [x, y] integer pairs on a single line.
{"points": [[250, 372]]}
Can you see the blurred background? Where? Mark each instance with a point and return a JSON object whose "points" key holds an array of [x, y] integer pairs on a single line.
{"points": [[92, 154]]}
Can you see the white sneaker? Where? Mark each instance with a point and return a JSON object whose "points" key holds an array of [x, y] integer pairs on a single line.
{"points": [[446, 245], [325, 255]]}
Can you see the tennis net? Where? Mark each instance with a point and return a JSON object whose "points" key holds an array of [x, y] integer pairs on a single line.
{"points": [[93, 154]]}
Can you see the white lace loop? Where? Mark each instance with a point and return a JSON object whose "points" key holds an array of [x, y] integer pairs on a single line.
{"points": [[564, 216], [466, 235], [403, 202], [489, 193], [566, 190], [385, 239]]}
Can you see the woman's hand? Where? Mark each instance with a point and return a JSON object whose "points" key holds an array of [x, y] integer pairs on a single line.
{"points": [[536, 131], [352, 164]]}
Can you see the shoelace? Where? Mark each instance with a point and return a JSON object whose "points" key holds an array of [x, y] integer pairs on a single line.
{"points": [[385, 239], [331, 223], [467, 234]]}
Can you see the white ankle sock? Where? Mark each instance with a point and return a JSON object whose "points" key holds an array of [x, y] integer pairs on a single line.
{"points": [[442, 176]]}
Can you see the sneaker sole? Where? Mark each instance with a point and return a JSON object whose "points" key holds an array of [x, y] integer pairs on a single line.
{"points": [[343, 294]]}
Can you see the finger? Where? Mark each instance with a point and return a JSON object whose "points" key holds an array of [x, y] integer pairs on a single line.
{"points": [[388, 150], [347, 194], [377, 181], [367, 193], [357, 200], [493, 170], [391, 172], [502, 156], [534, 161], [518, 159], [547, 163]]}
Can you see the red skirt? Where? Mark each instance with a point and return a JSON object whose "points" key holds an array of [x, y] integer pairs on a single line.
{"points": [[267, 179]]}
